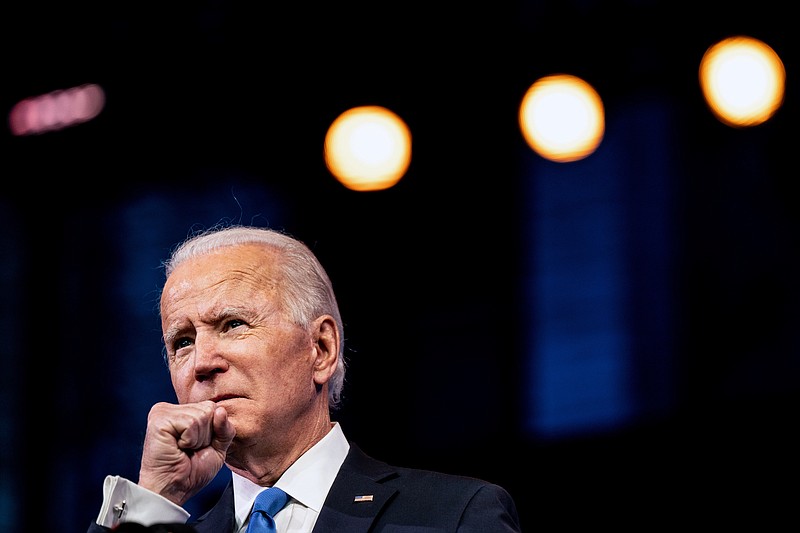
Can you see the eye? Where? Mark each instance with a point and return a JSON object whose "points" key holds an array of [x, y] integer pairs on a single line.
{"points": [[173, 351], [183, 342], [234, 323]]}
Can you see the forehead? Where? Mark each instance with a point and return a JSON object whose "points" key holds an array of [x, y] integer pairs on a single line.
{"points": [[241, 268]]}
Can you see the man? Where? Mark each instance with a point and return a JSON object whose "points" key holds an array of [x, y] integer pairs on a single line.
{"points": [[254, 345]]}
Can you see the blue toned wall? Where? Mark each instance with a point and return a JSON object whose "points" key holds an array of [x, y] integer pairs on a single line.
{"points": [[599, 282], [12, 294]]}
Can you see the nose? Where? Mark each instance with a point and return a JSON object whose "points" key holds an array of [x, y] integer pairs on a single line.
{"points": [[208, 358]]}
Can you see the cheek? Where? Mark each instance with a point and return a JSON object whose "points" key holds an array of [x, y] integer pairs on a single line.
{"points": [[291, 376], [181, 382]]}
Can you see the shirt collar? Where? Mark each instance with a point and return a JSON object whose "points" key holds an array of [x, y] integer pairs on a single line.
{"points": [[308, 480]]}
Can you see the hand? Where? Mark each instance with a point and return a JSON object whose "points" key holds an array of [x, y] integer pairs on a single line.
{"points": [[184, 448]]}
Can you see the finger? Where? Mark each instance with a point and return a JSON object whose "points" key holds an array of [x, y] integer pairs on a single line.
{"points": [[224, 431], [194, 428]]}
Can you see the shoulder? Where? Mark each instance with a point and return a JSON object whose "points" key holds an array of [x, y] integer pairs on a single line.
{"points": [[440, 487], [453, 498], [381, 471]]}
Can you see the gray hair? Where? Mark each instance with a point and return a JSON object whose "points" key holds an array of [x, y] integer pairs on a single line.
{"points": [[307, 293]]}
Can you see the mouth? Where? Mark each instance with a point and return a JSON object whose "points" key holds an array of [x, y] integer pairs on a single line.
{"points": [[224, 397]]}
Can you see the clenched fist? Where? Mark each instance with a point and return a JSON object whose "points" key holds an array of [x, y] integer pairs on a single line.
{"points": [[184, 448]]}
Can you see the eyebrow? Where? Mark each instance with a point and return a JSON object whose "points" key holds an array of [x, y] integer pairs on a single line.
{"points": [[172, 332], [170, 335]]}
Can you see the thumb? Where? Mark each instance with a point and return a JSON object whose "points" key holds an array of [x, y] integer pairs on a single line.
{"points": [[223, 430]]}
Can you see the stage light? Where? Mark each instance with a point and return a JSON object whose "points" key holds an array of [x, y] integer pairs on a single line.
{"points": [[56, 110], [368, 148], [562, 118], [742, 80]]}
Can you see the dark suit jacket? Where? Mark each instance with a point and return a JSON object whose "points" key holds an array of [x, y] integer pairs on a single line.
{"points": [[403, 500]]}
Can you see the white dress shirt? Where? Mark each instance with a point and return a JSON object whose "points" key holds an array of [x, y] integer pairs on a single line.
{"points": [[307, 483]]}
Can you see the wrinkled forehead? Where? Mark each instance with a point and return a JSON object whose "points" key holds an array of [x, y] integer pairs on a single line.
{"points": [[246, 268]]}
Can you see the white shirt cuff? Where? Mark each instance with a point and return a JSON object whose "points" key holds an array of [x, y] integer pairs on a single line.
{"points": [[125, 501]]}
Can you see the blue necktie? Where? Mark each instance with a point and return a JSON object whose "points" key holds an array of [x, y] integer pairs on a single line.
{"points": [[268, 502]]}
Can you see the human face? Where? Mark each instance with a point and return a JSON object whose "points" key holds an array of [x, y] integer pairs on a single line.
{"points": [[229, 341]]}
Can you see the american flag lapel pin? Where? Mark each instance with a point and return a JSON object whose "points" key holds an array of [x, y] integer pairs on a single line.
{"points": [[363, 498]]}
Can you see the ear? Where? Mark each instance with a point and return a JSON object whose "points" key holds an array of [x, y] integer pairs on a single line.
{"points": [[326, 348]]}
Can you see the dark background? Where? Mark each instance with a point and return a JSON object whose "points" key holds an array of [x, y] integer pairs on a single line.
{"points": [[217, 111]]}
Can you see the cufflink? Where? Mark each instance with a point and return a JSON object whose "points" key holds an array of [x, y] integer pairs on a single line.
{"points": [[119, 509]]}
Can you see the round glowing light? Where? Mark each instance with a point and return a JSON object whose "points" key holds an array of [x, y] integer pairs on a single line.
{"points": [[742, 80], [368, 148], [562, 118]]}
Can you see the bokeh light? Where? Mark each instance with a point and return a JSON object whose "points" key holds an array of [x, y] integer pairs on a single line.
{"points": [[742, 80], [368, 148], [562, 118], [56, 110]]}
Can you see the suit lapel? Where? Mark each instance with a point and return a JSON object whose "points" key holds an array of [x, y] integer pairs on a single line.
{"points": [[357, 495], [220, 518]]}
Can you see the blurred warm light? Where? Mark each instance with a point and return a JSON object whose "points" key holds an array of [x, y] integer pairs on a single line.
{"points": [[368, 148], [562, 118], [56, 110], [742, 80]]}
